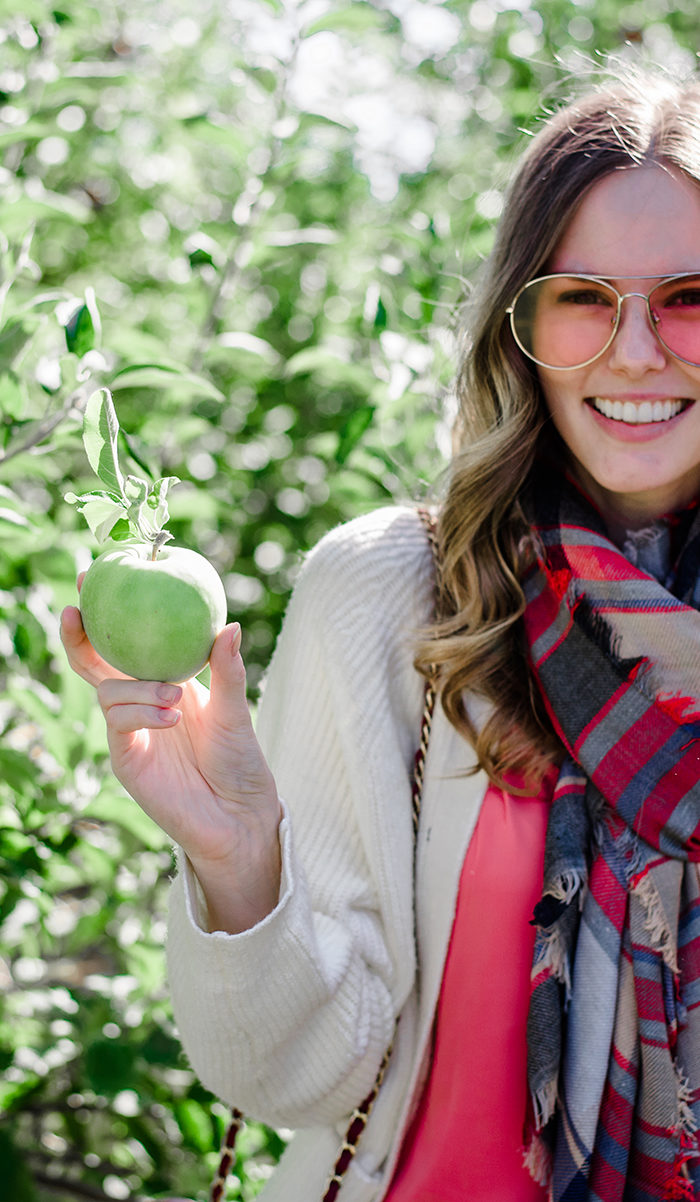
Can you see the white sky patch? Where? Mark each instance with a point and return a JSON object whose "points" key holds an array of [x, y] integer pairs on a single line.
{"points": [[433, 30]]}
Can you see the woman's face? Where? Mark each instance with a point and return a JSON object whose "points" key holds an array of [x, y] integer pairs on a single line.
{"points": [[643, 221]]}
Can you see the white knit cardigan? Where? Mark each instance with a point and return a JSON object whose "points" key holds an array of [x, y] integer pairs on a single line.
{"points": [[289, 1020]]}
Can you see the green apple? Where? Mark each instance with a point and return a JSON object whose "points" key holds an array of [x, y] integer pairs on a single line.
{"points": [[155, 619]]}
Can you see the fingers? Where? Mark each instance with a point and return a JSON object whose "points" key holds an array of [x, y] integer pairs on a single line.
{"points": [[228, 703], [131, 705], [82, 656]]}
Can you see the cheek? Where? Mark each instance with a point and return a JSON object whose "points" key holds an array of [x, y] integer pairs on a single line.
{"points": [[567, 414], [562, 399]]}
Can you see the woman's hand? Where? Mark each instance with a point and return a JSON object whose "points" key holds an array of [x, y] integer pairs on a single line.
{"points": [[190, 758]]}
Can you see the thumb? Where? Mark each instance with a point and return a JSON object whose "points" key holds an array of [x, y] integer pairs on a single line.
{"points": [[227, 691]]}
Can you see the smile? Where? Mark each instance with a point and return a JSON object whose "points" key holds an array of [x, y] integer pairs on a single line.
{"points": [[637, 415]]}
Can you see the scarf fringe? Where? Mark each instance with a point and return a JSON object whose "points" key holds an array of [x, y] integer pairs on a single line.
{"points": [[687, 1123], [544, 1102], [554, 956], [565, 887], [553, 950], [680, 1190], [655, 920], [537, 1159]]}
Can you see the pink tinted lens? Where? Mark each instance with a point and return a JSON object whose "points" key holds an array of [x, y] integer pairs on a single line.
{"points": [[675, 307], [564, 321]]}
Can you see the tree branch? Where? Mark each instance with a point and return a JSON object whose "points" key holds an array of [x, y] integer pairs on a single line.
{"points": [[77, 400], [236, 258]]}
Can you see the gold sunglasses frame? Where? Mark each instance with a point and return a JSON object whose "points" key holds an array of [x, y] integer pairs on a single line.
{"points": [[621, 296]]}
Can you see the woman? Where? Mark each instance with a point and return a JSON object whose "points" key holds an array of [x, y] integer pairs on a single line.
{"points": [[567, 650]]}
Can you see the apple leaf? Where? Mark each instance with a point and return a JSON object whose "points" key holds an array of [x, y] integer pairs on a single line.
{"points": [[135, 490], [121, 531], [100, 433], [82, 329], [80, 333], [158, 502], [101, 512], [132, 508]]}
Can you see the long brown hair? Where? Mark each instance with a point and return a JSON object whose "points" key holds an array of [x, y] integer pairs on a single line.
{"points": [[483, 536]]}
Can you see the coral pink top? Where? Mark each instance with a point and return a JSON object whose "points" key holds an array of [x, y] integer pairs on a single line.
{"points": [[466, 1140]]}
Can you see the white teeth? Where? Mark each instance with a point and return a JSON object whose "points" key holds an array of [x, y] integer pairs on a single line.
{"points": [[637, 415]]}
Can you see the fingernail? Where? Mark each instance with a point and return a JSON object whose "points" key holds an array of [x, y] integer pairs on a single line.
{"points": [[169, 692], [167, 717]]}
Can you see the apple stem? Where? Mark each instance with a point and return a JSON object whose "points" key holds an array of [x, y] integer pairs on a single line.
{"points": [[160, 539]]}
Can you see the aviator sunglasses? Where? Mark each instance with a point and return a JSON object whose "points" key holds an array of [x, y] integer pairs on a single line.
{"points": [[565, 321]]}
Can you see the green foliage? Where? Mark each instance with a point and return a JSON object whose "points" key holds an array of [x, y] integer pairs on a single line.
{"points": [[251, 222]]}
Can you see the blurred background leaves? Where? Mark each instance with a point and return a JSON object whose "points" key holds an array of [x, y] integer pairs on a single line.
{"points": [[254, 221]]}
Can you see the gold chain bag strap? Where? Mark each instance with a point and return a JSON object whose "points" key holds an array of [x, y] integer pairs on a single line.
{"points": [[359, 1116]]}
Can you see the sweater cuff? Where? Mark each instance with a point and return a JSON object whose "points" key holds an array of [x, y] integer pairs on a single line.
{"points": [[195, 902]]}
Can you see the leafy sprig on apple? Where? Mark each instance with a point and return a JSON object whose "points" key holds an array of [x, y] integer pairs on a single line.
{"points": [[128, 507], [151, 611]]}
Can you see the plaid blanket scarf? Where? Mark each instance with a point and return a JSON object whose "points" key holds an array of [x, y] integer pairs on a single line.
{"points": [[614, 1021]]}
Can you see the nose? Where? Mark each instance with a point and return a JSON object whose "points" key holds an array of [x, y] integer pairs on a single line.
{"points": [[635, 348]]}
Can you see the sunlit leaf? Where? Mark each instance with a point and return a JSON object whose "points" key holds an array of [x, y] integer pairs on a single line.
{"points": [[353, 430], [13, 396], [80, 332], [100, 435], [13, 341], [356, 17], [150, 375], [123, 812], [100, 510], [195, 1125], [29, 132], [83, 326]]}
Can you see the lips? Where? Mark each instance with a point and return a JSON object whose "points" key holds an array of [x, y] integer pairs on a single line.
{"points": [[641, 413]]}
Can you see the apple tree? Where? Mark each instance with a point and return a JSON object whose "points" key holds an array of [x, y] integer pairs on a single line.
{"points": [[254, 222]]}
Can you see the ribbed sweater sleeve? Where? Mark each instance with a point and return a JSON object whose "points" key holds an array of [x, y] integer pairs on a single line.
{"points": [[290, 1019]]}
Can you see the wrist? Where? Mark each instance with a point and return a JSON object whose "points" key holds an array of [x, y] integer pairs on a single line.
{"points": [[241, 885]]}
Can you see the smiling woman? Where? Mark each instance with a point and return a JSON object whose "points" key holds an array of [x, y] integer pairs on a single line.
{"points": [[537, 930]]}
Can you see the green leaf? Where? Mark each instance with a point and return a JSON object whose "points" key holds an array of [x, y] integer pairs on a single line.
{"points": [[135, 489], [352, 431], [17, 1181], [13, 398], [101, 512], [121, 811], [155, 375], [13, 340], [109, 1066], [100, 434], [121, 531], [83, 327], [157, 500], [13, 518], [80, 331], [29, 132], [18, 771], [20, 214], [160, 1047], [195, 1124], [356, 17], [380, 316]]}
